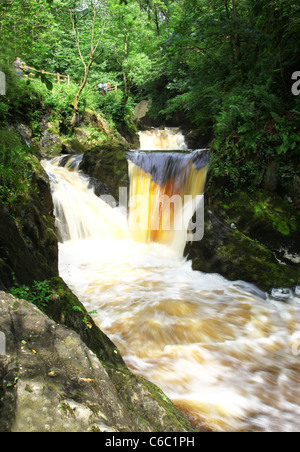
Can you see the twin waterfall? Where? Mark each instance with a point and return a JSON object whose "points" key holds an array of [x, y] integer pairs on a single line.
{"points": [[226, 356]]}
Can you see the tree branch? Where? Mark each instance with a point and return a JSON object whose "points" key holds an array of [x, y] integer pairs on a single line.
{"points": [[93, 32], [102, 31], [77, 39], [97, 56]]}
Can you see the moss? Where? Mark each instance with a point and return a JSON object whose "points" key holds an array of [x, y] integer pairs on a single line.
{"points": [[265, 217], [255, 263], [108, 164], [67, 409], [154, 410], [252, 251], [282, 227]]}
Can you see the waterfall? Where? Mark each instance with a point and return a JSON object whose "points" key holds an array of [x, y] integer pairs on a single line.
{"points": [[225, 355], [165, 191], [79, 213], [167, 139], [166, 188]]}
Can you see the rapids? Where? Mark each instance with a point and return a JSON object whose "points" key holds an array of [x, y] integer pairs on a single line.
{"points": [[223, 352]]}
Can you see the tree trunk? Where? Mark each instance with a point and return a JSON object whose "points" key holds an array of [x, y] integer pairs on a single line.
{"points": [[236, 36], [126, 87], [231, 34], [76, 99], [92, 58], [156, 20]]}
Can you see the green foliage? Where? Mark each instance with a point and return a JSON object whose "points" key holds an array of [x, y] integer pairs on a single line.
{"points": [[39, 294], [225, 67], [250, 132], [115, 109], [16, 168], [59, 99], [85, 320], [20, 99]]}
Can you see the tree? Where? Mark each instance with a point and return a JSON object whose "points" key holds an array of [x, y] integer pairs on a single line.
{"points": [[94, 15], [132, 43], [23, 23], [157, 11]]}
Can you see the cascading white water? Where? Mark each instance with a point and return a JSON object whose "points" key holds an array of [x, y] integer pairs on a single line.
{"points": [[225, 355], [165, 139], [79, 213]]}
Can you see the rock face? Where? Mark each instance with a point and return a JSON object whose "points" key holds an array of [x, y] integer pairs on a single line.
{"points": [[50, 381], [28, 241], [253, 237], [108, 164]]}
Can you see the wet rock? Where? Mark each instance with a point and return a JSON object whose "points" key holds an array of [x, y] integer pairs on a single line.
{"points": [[271, 178], [197, 139], [108, 164], [73, 146], [281, 294], [50, 143], [28, 239], [15, 256], [25, 132], [100, 188]]}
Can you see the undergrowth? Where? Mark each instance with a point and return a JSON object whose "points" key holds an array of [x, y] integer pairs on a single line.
{"points": [[39, 294], [16, 168]]}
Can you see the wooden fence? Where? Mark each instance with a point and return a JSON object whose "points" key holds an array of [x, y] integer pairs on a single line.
{"points": [[106, 89], [112, 88], [31, 73]]}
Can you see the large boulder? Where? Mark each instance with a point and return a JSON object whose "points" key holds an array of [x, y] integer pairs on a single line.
{"points": [[50, 381]]}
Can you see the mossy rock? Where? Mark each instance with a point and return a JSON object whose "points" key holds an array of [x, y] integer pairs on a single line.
{"points": [[73, 146], [265, 217], [108, 164], [94, 119], [227, 250], [28, 239], [67, 309]]}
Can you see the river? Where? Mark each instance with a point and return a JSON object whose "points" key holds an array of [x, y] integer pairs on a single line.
{"points": [[223, 352]]}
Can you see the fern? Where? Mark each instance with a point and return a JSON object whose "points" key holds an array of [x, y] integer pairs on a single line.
{"points": [[39, 294]]}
